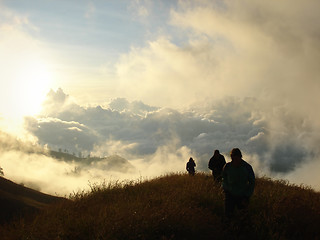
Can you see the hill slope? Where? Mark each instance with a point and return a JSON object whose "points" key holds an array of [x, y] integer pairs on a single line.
{"points": [[16, 200], [175, 207]]}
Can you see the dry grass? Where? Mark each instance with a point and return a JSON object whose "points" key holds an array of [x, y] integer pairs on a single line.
{"points": [[175, 206]]}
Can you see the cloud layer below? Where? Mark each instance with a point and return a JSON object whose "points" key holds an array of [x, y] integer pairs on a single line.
{"points": [[154, 141]]}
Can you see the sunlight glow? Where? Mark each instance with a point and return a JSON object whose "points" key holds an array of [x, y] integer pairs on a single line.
{"points": [[28, 88], [34, 81]]}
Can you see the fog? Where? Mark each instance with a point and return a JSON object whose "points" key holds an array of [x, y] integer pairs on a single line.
{"points": [[32, 165]]}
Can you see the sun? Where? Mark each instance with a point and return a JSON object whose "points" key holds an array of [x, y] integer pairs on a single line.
{"points": [[34, 84], [28, 87]]}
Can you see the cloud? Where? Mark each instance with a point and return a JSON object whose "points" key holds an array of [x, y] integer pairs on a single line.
{"points": [[169, 158], [55, 100], [90, 11], [62, 134], [280, 139], [40, 172], [136, 107], [140, 9], [34, 166], [10, 20], [262, 50], [136, 140], [305, 174], [158, 73], [10, 143]]}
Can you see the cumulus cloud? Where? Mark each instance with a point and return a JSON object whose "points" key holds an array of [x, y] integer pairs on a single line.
{"points": [[73, 135], [274, 139], [267, 50], [126, 140], [158, 73]]}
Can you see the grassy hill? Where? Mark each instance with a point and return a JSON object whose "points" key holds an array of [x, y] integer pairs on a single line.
{"points": [[17, 200], [175, 206]]}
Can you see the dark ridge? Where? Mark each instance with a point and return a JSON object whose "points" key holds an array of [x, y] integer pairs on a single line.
{"points": [[17, 200]]}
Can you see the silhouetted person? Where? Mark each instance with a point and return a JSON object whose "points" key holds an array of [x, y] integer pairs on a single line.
{"points": [[238, 183], [216, 164], [190, 166]]}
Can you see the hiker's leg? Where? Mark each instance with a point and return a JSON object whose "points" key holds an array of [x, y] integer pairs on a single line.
{"points": [[229, 204], [243, 203]]}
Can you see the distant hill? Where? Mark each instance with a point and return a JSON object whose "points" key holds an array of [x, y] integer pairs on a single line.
{"points": [[17, 200], [175, 206], [113, 162], [63, 156]]}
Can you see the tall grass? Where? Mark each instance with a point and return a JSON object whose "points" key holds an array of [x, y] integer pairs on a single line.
{"points": [[174, 206]]}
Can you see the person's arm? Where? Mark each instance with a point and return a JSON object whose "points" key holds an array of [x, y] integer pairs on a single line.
{"points": [[225, 182], [223, 160], [210, 164], [251, 181]]}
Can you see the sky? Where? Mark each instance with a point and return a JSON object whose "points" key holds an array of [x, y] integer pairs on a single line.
{"points": [[155, 82]]}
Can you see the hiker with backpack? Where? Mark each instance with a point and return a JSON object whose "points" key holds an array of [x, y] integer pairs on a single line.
{"points": [[216, 164], [238, 181]]}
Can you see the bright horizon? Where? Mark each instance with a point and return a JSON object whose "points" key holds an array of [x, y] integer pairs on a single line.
{"points": [[160, 79]]}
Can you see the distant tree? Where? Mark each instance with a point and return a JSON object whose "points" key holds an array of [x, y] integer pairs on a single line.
{"points": [[80, 155], [1, 171]]}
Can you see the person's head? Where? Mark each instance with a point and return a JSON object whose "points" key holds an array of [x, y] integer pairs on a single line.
{"points": [[216, 152], [236, 154], [190, 159]]}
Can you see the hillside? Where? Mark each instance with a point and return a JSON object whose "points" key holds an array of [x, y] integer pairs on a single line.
{"points": [[17, 200], [176, 206], [63, 156]]}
